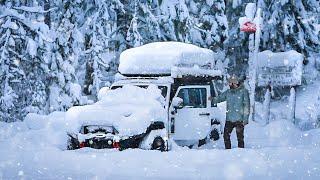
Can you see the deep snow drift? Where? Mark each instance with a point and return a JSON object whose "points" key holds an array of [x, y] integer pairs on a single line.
{"points": [[278, 151]]}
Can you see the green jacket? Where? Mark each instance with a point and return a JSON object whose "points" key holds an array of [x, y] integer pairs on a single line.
{"points": [[238, 103]]}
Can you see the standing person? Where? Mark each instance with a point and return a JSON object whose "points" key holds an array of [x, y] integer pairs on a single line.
{"points": [[238, 107]]}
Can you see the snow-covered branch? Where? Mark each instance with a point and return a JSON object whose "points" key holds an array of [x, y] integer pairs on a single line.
{"points": [[36, 9]]}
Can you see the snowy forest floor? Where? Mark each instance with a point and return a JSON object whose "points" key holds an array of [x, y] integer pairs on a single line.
{"points": [[36, 150]]}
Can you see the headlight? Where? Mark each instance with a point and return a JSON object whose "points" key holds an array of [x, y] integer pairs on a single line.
{"points": [[109, 142]]}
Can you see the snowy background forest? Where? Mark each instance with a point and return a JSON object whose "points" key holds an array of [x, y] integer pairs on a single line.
{"points": [[57, 54]]}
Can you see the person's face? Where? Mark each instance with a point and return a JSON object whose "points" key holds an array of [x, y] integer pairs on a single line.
{"points": [[233, 85]]}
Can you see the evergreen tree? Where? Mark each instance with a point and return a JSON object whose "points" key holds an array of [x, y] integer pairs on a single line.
{"points": [[100, 30], [64, 88], [23, 66], [198, 22], [290, 24], [50, 49]]}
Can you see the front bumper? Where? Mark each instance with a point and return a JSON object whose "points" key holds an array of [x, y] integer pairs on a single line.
{"points": [[99, 143]]}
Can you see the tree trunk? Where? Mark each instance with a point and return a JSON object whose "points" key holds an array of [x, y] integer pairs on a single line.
{"points": [[47, 19]]}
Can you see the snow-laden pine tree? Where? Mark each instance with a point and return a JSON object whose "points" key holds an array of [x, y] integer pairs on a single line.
{"points": [[100, 29], [138, 23], [291, 24], [64, 90], [208, 25], [23, 65], [202, 23]]}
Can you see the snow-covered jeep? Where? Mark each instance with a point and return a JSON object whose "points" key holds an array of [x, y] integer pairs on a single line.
{"points": [[129, 117], [186, 76]]}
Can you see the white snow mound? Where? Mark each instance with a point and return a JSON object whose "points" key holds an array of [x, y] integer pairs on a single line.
{"points": [[129, 109], [160, 57]]}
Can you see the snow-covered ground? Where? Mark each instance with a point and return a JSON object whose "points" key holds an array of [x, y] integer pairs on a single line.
{"points": [[276, 151], [36, 149]]}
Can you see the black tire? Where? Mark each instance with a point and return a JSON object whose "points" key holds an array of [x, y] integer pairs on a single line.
{"points": [[214, 134], [158, 144]]}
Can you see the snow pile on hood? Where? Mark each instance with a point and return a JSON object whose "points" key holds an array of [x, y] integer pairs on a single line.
{"points": [[160, 57], [129, 109]]}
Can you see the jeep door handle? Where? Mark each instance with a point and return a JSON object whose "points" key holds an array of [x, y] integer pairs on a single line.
{"points": [[204, 114]]}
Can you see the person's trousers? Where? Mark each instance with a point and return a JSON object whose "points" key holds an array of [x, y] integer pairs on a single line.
{"points": [[227, 132]]}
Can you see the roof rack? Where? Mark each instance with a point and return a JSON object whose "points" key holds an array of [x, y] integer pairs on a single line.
{"points": [[147, 76]]}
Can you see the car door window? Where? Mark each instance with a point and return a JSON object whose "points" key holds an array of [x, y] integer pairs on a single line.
{"points": [[193, 97]]}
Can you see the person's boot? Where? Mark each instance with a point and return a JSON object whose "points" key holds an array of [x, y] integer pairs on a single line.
{"points": [[227, 144], [240, 144]]}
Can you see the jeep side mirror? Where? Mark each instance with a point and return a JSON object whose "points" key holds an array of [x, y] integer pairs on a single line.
{"points": [[177, 102]]}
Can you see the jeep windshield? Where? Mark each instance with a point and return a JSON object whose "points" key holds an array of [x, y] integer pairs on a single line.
{"points": [[164, 89], [98, 129]]}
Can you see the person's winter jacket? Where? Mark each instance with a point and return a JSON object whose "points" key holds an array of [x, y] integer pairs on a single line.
{"points": [[238, 104]]}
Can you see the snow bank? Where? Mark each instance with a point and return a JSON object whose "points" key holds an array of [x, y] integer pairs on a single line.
{"points": [[283, 68], [8, 130], [160, 57], [54, 120], [129, 109], [32, 155], [280, 133]]}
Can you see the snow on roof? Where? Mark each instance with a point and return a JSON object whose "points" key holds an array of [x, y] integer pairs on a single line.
{"points": [[269, 59], [162, 80], [160, 57]]}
